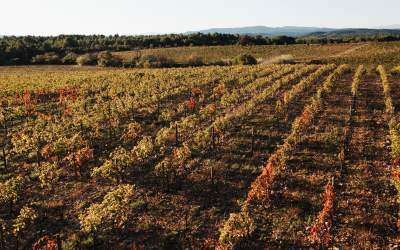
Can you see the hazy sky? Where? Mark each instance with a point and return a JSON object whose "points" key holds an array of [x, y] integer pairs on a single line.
{"points": [[52, 17]]}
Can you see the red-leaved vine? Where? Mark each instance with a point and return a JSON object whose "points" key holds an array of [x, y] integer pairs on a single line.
{"points": [[191, 103], [261, 187], [45, 243], [29, 102], [320, 232]]}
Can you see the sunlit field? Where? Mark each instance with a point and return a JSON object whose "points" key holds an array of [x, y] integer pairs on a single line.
{"points": [[244, 157]]}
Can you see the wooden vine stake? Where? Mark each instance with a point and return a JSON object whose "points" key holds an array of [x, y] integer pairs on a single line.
{"points": [[4, 157], [213, 139], [212, 174], [59, 243], [176, 135], [213, 151], [252, 141], [5, 145]]}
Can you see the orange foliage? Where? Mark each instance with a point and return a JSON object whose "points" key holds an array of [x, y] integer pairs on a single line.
{"points": [[67, 93], [396, 162], [219, 89], [211, 108], [196, 91], [83, 155], [305, 118], [396, 175], [46, 151], [68, 112], [29, 102], [320, 231], [44, 116], [43, 94], [191, 103], [45, 243], [261, 187]]}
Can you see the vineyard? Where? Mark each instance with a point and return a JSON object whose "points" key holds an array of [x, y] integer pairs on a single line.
{"points": [[271, 156], [385, 53]]}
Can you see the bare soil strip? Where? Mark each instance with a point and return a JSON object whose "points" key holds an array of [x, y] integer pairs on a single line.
{"points": [[366, 210], [298, 189]]}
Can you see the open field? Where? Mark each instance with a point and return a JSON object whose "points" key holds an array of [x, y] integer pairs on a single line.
{"points": [[353, 53], [240, 157]]}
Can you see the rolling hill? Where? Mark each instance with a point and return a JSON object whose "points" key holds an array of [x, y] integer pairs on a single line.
{"points": [[267, 31], [306, 31], [341, 33]]}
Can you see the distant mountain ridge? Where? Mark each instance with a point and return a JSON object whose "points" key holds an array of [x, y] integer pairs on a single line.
{"points": [[266, 31], [389, 27], [355, 33], [299, 31]]}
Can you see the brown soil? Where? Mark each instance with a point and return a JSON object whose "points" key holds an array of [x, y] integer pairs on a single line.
{"points": [[366, 210]]}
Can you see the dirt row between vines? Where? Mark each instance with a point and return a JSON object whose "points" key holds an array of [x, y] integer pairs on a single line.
{"points": [[366, 210]]}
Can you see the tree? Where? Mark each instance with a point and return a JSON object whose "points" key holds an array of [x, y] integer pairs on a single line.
{"points": [[106, 59], [47, 58], [283, 40], [70, 58], [195, 60], [69, 42], [130, 62], [245, 40], [154, 61], [86, 59]]}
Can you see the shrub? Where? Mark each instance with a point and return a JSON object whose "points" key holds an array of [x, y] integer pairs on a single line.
{"points": [[245, 40], [86, 59], [130, 62], [195, 60], [47, 58], [38, 59], [2, 60], [16, 61], [245, 59], [152, 61], [69, 58], [106, 59]]}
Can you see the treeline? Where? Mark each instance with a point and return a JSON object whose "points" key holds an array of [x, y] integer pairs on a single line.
{"points": [[53, 50], [106, 59]]}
